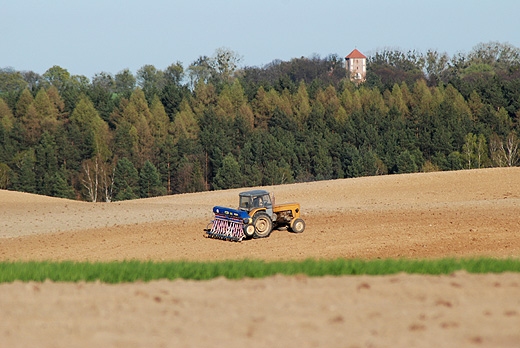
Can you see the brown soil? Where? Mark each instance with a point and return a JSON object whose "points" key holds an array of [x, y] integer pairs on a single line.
{"points": [[445, 214]]}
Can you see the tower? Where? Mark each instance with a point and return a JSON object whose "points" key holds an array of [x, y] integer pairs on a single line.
{"points": [[356, 66]]}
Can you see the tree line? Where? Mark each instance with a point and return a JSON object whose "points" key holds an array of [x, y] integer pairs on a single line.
{"points": [[215, 126]]}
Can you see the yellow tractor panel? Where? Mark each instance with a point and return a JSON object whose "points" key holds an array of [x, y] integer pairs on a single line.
{"points": [[294, 208]]}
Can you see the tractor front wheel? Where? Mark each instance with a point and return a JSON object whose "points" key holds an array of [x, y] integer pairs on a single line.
{"points": [[297, 225], [263, 225]]}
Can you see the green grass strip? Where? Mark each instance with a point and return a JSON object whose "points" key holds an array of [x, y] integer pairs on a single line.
{"points": [[131, 271]]}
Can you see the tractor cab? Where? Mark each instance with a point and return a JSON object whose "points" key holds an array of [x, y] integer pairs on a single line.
{"points": [[250, 201]]}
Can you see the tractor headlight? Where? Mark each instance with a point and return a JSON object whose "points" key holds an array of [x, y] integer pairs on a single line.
{"points": [[247, 221]]}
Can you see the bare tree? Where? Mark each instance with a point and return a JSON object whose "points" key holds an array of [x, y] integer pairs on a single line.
{"points": [[469, 148], [504, 155], [107, 181], [481, 150], [221, 67], [90, 178], [97, 178], [511, 149]]}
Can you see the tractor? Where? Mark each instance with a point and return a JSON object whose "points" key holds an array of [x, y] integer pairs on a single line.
{"points": [[256, 217]]}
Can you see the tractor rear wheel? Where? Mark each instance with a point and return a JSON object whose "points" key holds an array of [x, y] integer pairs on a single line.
{"points": [[263, 225], [297, 225]]}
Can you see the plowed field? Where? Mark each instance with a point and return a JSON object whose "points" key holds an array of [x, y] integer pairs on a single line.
{"points": [[446, 214]]}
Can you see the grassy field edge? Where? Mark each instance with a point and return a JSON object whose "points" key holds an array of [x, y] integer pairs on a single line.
{"points": [[132, 271]]}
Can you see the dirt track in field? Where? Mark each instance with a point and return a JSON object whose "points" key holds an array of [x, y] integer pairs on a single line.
{"points": [[446, 214]]}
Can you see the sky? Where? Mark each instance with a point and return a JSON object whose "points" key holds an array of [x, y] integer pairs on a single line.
{"points": [[88, 37]]}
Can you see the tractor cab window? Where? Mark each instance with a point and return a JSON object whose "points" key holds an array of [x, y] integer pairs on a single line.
{"points": [[262, 201], [258, 202], [266, 199], [245, 203]]}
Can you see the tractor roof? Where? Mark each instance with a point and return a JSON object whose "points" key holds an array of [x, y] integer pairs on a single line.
{"points": [[253, 193]]}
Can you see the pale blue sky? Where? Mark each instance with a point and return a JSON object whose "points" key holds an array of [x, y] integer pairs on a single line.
{"points": [[91, 36]]}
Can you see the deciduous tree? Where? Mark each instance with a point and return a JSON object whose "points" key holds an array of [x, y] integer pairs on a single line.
{"points": [[151, 81], [125, 83]]}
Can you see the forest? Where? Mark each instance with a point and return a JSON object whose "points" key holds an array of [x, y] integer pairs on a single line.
{"points": [[215, 125]]}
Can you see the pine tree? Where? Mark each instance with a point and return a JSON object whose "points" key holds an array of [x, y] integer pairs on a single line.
{"points": [[406, 163], [150, 182], [228, 175], [102, 93], [125, 140], [167, 158], [26, 180], [277, 173], [46, 164], [126, 180], [184, 176], [61, 187], [250, 167], [173, 92]]}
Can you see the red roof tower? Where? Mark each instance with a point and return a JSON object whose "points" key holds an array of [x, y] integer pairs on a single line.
{"points": [[357, 66]]}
